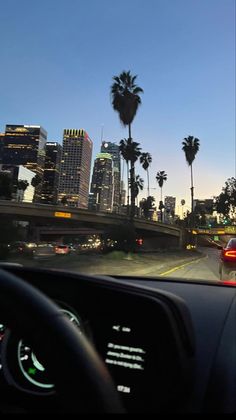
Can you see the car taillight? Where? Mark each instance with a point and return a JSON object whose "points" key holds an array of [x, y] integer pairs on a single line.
{"points": [[229, 283], [230, 253]]}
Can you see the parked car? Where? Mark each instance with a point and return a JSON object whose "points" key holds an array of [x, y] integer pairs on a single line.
{"points": [[227, 266]]}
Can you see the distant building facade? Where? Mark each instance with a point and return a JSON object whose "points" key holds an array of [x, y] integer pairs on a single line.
{"points": [[50, 183], [114, 151], [25, 145], [102, 183], [75, 168]]}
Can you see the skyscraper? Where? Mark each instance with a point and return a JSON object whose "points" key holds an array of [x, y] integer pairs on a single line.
{"points": [[114, 151], [25, 145], [50, 182], [102, 183], [75, 168]]}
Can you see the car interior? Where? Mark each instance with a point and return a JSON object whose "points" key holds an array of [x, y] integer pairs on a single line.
{"points": [[93, 344]]}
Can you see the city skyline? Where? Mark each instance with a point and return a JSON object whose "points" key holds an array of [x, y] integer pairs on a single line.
{"points": [[188, 77]]}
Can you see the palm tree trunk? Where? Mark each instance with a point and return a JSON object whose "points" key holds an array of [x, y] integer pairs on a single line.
{"points": [[192, 188], [130, 131], [127, 187], [148, 182], [192, 198], [132, 181], [161, 207]]}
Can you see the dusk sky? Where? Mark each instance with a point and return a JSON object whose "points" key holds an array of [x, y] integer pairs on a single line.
{"points": [[58, 58]]}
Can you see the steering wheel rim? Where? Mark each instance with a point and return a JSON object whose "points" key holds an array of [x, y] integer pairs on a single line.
{"points": [[27, 310]]}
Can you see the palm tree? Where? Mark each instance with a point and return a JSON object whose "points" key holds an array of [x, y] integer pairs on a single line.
{"points": [[130, 151], [146, 160], [191, 147], [125, 98], [138, 186], [36, 180], [161, 177], [22, 185], [146, 205]]}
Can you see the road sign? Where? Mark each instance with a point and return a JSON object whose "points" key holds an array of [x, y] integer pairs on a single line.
{"points": [[62, 215], [230, 229]]}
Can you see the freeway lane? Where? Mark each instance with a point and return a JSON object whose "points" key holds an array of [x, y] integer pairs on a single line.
{"points": [[206, 268], [183, 264]]}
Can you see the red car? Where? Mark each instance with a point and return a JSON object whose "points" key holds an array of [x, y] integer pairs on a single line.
{"points": [[62, 249], [227, 267]]}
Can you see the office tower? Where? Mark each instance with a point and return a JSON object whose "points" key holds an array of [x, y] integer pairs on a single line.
{"points": [[25, 145], [50, 183], [102, 183], [75, 168], [114, 151]]}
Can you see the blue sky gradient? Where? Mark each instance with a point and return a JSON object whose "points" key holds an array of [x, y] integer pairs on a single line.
{"points": [[57, 62]]}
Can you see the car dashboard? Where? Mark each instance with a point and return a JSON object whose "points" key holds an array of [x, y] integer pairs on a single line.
{"points": [[170, 346]]}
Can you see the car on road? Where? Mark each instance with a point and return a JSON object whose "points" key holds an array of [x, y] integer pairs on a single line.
{"points": [[227, 265], [44, 251], [62, 249]]}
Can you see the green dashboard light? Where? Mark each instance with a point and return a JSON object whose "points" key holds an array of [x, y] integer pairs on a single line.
{"points": [[31, 371]]}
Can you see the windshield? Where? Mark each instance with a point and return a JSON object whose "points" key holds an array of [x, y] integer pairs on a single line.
{"points": [[117, 137]]}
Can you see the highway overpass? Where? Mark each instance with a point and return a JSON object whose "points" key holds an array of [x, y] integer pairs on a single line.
{"points": [[49, 218]]}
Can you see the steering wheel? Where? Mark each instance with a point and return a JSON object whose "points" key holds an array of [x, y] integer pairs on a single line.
{"points": [[81, 379]]}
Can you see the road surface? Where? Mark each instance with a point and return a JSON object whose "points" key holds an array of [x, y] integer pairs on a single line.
{"points": [[202, 264], [205, 268]]}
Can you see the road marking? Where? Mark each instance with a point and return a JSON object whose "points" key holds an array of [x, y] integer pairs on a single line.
{"points": [[182, 266]]}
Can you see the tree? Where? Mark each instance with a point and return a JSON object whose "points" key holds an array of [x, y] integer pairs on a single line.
{"points": [[6, 186], [22, 184], [126, 99], [146, 205], [146, 160], [130, 151], [225, 203], [36, 180], [138, 185], [161, 177], [191, 147]]}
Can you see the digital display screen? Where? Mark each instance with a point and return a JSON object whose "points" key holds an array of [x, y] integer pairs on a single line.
{"points": [[123, 353], [127, 351]]}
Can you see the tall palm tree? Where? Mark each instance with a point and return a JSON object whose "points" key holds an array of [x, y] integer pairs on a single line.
{"points": [[191, 147], [130, 151], [125, 95], [161, 177], [125, 98], [138, 186], [146, 160]]}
